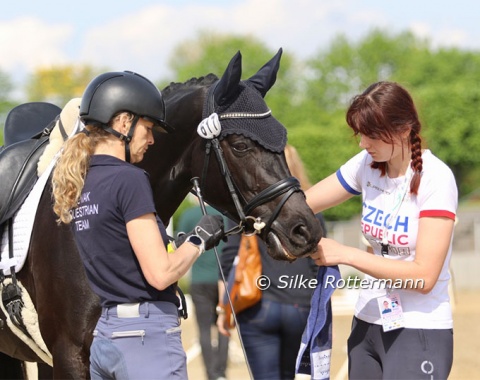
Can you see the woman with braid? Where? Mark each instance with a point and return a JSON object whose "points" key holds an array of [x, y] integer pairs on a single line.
{"points": [[409, 200]]}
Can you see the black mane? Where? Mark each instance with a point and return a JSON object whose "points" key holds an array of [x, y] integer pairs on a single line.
{"points": [[193, 82]]}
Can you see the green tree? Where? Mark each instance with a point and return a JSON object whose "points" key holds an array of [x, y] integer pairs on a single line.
{"points": [[346, 68], [210, 53], [452, 130], [443, 83], [6, 102], [324, 145], [59, 84]]}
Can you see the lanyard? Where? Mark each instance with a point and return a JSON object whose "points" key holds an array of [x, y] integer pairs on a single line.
{"points": [[398, 198]]}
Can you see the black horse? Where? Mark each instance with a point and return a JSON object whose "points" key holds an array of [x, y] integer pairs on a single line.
{"points": [[243, 173]]}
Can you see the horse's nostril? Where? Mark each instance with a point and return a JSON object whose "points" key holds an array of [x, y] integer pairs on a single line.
{"points": [[301, 232]]}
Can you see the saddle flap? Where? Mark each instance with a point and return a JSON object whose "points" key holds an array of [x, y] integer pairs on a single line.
{"points": [[18, 168], [27, 120]]}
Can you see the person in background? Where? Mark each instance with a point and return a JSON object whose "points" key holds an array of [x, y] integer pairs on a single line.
{"points": [[272, 329], [409, 203], [121, 240], [204, 292]]}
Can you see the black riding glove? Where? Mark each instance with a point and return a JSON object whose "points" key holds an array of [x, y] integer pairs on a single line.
{"points": [[209, 229]]}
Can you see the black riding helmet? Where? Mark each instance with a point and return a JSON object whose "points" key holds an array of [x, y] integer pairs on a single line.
{"points": [[114, 92]]}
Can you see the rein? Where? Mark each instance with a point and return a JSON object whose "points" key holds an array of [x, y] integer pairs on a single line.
{"points": [[286, 186]]}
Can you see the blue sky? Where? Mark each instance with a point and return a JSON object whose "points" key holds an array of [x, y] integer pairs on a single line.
{"points": [[140, 35]]}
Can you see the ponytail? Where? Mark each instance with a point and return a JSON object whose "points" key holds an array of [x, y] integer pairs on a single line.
{"points": [[70, 171]]}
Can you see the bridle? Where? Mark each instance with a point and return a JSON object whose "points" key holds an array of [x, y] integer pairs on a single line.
{"points": [[285, 187]]}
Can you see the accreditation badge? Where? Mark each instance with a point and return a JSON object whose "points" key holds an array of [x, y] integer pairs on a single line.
{"points": [[391, 312]]}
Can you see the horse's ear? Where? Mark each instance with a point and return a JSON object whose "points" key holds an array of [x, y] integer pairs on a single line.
{"points": [[265, 78], [228, 84]]}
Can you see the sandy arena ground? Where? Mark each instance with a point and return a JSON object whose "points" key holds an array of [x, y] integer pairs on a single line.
{"points": [[466, 363]]}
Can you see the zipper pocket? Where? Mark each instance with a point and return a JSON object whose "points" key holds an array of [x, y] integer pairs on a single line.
{"points": [[128, 334]]}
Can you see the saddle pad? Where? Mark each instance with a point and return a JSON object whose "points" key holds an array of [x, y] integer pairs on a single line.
{"points": [[23, 226]]}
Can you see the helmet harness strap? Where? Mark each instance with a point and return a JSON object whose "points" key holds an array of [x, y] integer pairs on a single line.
{"points": [[126, 138]]}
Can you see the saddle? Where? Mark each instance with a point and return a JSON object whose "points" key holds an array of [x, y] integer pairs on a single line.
{"points": [[26, 133]]}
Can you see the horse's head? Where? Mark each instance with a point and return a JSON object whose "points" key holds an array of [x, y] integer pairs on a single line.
{"points": [[250, 153]]}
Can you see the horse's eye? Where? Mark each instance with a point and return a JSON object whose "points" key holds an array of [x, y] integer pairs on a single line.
{"points": [[240, 147]]}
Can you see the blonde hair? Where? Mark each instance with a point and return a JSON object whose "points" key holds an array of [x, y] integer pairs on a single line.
{"points": [[296, 167], [70, 171]]}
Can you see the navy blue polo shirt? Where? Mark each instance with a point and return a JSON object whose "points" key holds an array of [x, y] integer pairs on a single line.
{"points": [[114, 193]]}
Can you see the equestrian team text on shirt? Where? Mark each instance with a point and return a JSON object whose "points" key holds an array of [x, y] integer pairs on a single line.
{"points": [[83, 211]]}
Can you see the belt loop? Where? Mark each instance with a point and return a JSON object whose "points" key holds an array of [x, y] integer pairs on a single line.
{"points": [[147, 311], [106, 313]]}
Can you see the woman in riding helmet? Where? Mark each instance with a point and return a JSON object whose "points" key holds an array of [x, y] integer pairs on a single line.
{"points": [[109, 204]]}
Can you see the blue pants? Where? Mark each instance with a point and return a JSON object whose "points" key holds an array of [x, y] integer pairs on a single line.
{"points": [[271, 333], [147, 346], [205, 299], [398, 354]]}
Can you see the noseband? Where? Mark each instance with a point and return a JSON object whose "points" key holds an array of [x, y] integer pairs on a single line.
{"points": [[286, 186]]}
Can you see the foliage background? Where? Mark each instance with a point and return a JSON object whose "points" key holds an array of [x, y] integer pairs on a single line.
{"points": [[310, 97]]}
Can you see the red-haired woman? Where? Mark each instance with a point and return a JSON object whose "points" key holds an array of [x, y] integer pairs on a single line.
{"points": [[409, 205]]}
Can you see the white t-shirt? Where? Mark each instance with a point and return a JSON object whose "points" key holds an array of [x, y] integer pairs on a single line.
{"points": [[388, 205]]}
